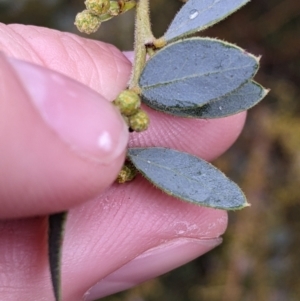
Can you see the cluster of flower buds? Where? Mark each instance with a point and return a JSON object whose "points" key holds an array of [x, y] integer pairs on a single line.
{"points": [[98, 11], [129, 103]]}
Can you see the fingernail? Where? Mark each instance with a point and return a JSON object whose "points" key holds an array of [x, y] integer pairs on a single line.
{"points": [[82, 118], [151, 264]]}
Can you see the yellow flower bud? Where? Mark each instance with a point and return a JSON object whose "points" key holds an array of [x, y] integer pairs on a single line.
{"points": [[87, 22], [128, 102], [139, 121], [114, 9], [97, 7]]}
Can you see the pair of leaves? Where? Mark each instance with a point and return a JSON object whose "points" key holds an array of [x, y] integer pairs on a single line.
{"points": [[201, 78], [210, 78]]}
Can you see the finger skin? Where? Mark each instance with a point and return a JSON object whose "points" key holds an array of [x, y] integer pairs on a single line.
{"points": [[24, 273], [121, 223], [40, 172], [98, 65], [128, 220], [101, 236], [205, 138]]}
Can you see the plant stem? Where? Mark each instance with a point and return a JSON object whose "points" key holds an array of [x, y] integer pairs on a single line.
{"points": [[143, 36]]}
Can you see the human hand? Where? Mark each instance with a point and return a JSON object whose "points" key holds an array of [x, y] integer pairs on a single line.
{"points": [[62, 145]]}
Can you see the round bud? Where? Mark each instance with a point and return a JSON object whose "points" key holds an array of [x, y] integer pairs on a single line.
{"points": [[126, 174], [87, 22], [139, 121], [128, 102], [97, 7], [114, 9]]}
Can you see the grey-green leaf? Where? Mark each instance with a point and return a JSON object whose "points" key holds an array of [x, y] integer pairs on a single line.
{"points": [[187, 177], [196, 15], [242, 99], [55, 237], [193, 72]]}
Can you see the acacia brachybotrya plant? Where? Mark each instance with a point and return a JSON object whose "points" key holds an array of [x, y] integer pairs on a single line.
{"points": [[189, 77]]}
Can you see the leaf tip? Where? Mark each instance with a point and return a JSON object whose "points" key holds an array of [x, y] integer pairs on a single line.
{"points": [[267, 91], [242, 206], [247, 204], [258, 58]]}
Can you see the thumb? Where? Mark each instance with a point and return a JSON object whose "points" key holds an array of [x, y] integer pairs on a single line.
{"points": [[61, 143]]}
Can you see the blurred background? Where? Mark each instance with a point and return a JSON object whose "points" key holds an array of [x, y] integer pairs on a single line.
{"points": [[260, 256]]}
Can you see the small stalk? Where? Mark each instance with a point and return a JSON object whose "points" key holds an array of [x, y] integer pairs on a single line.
{"points": [[143, 36]]}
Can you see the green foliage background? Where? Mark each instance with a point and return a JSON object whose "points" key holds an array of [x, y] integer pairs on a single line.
{"points": [[259, 259]]}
